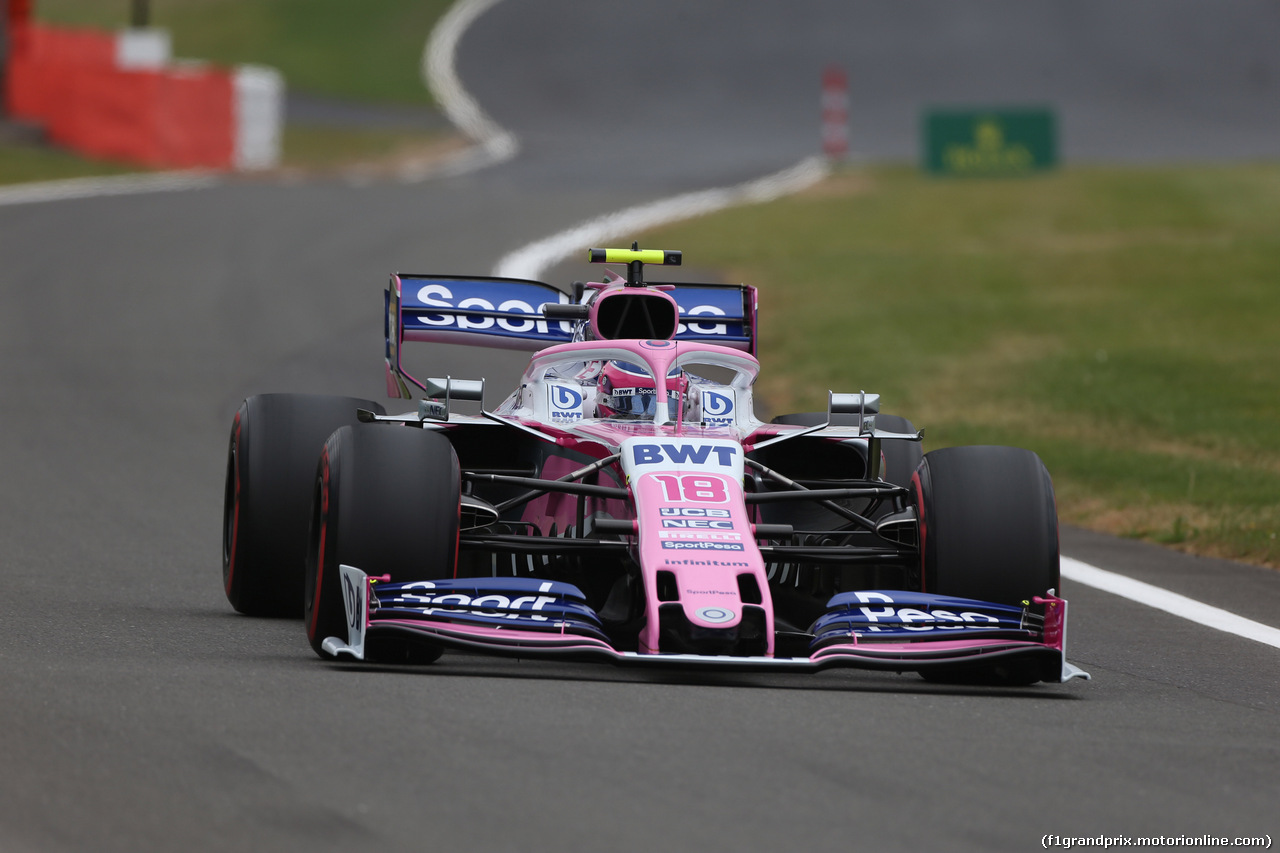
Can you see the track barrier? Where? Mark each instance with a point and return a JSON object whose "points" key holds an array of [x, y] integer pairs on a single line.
{"points": [[835, 112], [119, 96]]}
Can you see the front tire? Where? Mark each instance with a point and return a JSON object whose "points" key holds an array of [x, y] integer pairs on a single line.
{"points": [[988, 531], [271, 459], [989, 524], [386, 501]]}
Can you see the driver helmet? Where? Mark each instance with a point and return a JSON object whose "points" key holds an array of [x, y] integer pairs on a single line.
{"points": [[628, 392]]}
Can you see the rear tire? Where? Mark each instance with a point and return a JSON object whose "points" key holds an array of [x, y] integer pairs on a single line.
{"points": [[271, 460], [386, 501], [989, 531]]}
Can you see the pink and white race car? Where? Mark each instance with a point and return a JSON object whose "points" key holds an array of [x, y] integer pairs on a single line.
{"points": [[624, 504]]}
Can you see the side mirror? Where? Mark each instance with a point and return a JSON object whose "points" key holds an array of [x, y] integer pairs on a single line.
{"points": [[854, 404], [457, 389], [865, 406], [450, 389]]}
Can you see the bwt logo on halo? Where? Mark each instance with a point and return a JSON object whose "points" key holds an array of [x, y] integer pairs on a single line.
{"points": [[717, 408], [566, 403]]}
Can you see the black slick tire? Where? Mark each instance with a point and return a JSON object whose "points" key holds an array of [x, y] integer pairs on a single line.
{"points": [[988, 531], [385, 501], [271, 461], [989, 524]]}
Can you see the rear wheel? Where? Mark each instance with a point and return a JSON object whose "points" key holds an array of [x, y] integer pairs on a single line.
{"points": [[386, 501], [271, 460], [989, 531]]}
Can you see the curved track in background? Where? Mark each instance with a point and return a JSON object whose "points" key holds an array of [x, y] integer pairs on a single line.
{"points": [[138, 713]]}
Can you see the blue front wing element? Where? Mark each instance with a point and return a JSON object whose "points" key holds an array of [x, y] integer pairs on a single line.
{"points": [[528, 604], [899, 615]]}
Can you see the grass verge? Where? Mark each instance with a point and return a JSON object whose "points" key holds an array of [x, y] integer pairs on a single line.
{"points": [[23, 162], [1119, 322]]}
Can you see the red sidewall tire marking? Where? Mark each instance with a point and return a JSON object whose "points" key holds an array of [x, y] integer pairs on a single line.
{"points": [[320, 551], [235, 519], [924, 528]]}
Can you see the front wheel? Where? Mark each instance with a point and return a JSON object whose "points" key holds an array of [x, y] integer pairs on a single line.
{"points": [[386, 501], [988, 531]]}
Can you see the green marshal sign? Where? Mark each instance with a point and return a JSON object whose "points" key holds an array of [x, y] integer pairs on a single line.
{"points": [[989, 142]]}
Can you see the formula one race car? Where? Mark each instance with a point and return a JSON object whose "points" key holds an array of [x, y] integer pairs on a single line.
{"points": [[624, 504]]}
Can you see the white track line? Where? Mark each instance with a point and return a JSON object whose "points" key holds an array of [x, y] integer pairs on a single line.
{"points": [[530, 261], [1169, 602], [75, 188], [494, 144]]}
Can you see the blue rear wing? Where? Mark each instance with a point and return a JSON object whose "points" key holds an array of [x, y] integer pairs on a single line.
{"points": [[507, 313]]}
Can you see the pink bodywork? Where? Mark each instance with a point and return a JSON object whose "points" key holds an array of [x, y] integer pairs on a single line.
{"points": [[685, 472], [707, 578]]}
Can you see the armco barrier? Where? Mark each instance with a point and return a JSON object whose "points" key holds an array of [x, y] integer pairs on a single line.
{"points": [[173, 119], [105, 113], [43, 59], [195, 118], [174, 116], [259, 106]]}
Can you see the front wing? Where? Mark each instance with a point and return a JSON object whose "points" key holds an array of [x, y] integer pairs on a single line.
{"points": [[881, 630]]}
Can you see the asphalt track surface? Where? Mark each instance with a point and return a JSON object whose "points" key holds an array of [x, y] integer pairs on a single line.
{"points": [[139, 713]]}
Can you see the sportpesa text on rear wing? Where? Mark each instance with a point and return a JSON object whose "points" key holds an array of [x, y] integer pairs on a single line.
{"points": [[507, 313]]}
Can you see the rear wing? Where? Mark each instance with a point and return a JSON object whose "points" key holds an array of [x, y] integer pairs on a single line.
{"points": [[507, 313]]}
